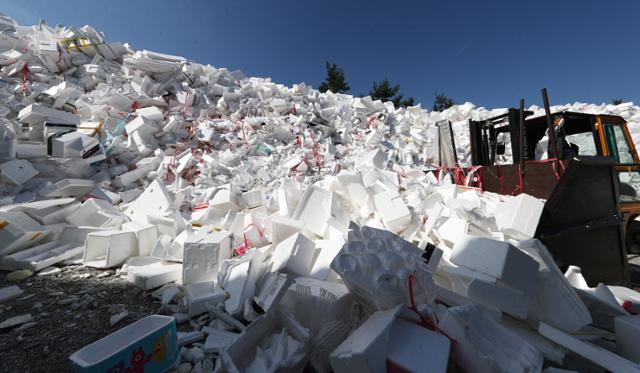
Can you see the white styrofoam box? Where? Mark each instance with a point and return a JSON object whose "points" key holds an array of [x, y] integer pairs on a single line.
{"points": [[453, 229], [596, 354], [319, 302], [518, 216], [106, 249], [415, 348], [254, 198], [556, 302], [294, 255], [35, 114], [70, 188], [149, 273], [238, 356], [393, 211], [201, 293], [129, 177], [151, 112], [272, 288], [327, 251], [357, 193], [74, 145], [498, 259], [365, 350], [375, 158], [283, 227], [53, 214], [77, 235], [146, 236], [96, 213], [141, 124], [41, 256], [628, 337], [483, 345], [314, 210], [155, 200], [203, 254], [238, 277], [18, 231], [289, 195], [17, 171]]}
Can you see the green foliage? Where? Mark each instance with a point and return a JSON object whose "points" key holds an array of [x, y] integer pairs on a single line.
{"points": [[442, 102], [616, 101], [384, 91], [335, 80]]}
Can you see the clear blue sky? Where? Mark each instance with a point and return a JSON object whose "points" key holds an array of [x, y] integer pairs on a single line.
{"points": [[488, 52]]}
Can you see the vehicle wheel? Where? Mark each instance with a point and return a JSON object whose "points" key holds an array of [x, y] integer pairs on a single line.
{"points": [[633, 235]]}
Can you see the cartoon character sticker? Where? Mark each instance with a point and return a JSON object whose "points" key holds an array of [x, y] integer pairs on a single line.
{"points": [[138, 361]]}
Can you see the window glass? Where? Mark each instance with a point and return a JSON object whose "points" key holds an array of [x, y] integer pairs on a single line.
{"points": [[617, 144], [585, 142]]}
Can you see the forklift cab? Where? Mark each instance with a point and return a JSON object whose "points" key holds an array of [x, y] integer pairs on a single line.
{"points": [[580, 134]]}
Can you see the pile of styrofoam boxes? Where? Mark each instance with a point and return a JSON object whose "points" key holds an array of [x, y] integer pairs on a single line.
{"points": [[300, 228]]}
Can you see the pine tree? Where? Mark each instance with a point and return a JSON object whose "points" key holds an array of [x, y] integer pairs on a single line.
{"points": [[442, 102], [335, 80], [616, 101], [384, 91]]}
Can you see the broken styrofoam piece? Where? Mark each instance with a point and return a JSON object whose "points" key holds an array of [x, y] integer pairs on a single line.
{"points": [[74, 145], [107, 249], [393, 211], [187, 338], [217, 340], [518, 216], [549, 350], [149, 273], [374, 158], [271, 290], [17, 171], [556, 302], [375, 265], [201, 293], [294, 255], [203, 254], [326, 250], [36, 114], [152, 339], [15, 321], [238, 277], [242, 354], [627, 330], [10, 292], [283, 227], [314, 210], [155, 200], [365, 350], [508, 300], [41, 256], [498, 259], [484, 345], [415, 348], [146, 236], [96, 213], [627, 298], [18, 231], [357, 194], [598, 355]]}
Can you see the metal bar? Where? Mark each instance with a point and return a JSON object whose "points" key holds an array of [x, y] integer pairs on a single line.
{"points": [[521, 136], [552, 134]]}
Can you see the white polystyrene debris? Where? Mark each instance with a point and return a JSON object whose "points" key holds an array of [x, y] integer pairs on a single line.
{"points": [[289, 214]]}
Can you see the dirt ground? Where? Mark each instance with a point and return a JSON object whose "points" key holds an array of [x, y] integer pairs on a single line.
{"points": [[70, 310]]}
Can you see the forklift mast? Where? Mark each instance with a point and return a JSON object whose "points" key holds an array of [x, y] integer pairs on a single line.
{"points": [[483, 136]]}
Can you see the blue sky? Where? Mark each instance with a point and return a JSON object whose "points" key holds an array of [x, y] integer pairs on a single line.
{"points": [[490, 53]]}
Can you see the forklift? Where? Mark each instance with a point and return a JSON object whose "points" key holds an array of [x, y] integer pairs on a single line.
{"points": [[586, 168]]}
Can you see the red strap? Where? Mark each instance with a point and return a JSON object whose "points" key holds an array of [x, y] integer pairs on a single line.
{"points": [[25, 76]]}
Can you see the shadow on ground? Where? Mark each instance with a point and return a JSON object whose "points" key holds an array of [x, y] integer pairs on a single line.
{"points": [[70, 310]]}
